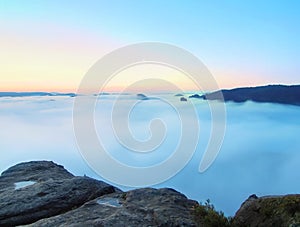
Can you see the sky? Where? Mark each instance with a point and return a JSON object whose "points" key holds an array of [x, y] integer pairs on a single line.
{"points": [[50, 45]]}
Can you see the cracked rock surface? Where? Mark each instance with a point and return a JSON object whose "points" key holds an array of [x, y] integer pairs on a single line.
{"points": [[52, 191]]}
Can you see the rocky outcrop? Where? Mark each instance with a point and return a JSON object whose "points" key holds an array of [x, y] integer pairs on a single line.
{"points": [[38, 171], [183, 99], [142, 97], [141, 207], [51, 191], [269, 211], [43, 193]]}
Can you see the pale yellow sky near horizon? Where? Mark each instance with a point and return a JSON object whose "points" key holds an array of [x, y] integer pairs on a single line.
{"points": [[36, 70], [58, 58], [50, 45]]}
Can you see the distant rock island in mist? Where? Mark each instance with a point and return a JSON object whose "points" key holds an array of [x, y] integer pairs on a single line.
{"points": [[42, 193], [281, 94]]}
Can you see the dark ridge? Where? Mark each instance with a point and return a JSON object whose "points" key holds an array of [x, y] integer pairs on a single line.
{"points": [[281, 94], [30, 94], [196, 96]]}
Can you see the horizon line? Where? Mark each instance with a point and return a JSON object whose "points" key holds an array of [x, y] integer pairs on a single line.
{"points": [[71, 91]]}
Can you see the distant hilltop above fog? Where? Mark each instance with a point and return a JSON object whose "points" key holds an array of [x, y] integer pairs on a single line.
{"points": [[42, 193], [281, 94], [29, 94]]}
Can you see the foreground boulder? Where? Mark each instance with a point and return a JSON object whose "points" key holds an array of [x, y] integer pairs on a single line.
{"points": [[45, 194], [269, 211], [48, 190], [141, 207], [36, 171]]}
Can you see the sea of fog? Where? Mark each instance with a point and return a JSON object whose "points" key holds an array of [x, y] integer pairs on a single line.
{"points": [[260, 154]]}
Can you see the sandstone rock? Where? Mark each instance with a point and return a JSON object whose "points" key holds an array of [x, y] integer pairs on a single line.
{"points": [[38, 171], [269, 211], [54, 191], [183, 99], [45, 194], [141, 207]]}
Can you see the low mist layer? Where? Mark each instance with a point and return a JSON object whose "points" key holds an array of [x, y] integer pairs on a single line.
{"points": [[260, 153]]}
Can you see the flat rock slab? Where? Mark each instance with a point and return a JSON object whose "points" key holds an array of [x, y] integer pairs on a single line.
{"points": [[141, 207], [37, 171], [53, 190]]}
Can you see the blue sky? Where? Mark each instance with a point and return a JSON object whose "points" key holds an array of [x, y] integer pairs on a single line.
{"points": [[241, 42]]}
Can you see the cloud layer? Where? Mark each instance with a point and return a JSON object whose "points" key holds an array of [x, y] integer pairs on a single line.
{"points": [[260, 153]]}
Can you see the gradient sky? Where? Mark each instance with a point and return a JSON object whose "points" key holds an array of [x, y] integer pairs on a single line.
{"points": [[50, 45]]}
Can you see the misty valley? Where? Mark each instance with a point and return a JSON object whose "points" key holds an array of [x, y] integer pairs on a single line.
{"points": [[260, 152]]}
